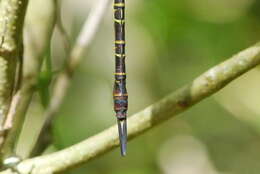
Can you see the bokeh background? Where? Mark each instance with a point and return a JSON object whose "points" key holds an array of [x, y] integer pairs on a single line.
{"points": [[169, 43]]}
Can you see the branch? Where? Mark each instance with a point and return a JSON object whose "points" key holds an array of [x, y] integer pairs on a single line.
{"points": [[82, 43], [205, 85], [11, 48], [63, 80], [39, 19], [63, 33]]}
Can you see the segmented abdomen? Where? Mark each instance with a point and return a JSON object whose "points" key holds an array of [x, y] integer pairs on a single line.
{"points": [[120, 92]]}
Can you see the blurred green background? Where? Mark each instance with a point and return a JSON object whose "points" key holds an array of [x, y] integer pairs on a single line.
{"points": [[169, 42]]}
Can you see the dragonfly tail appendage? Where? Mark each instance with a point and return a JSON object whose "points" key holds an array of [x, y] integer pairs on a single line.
{"points": [[122, 129]]}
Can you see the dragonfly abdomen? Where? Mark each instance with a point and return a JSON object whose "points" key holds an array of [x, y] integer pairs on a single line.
{"points": [[120, 92]]}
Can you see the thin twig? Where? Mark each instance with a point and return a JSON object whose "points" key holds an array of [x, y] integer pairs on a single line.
{"points": [[63, 80], [200, 88], [62, 30]]}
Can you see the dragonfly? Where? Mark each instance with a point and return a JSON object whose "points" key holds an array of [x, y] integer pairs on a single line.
{"points": [[120, 93]]}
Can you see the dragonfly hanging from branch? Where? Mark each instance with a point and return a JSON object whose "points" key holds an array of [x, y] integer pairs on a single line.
{"points": [[120, 92]]}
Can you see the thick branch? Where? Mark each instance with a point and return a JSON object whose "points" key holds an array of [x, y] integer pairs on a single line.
{"points": [[40, 19], [11, 24], [203, 86]]}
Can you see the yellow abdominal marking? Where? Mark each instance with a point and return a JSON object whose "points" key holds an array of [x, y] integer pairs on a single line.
{"points": [[119, 4], [120, 94], [120, 21], [119, 42], [120, 73], [120, 55]]}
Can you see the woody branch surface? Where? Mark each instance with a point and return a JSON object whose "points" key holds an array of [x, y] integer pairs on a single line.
{"points": [[39, 24], [11, 23], [200, 88], [12, 14]]}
